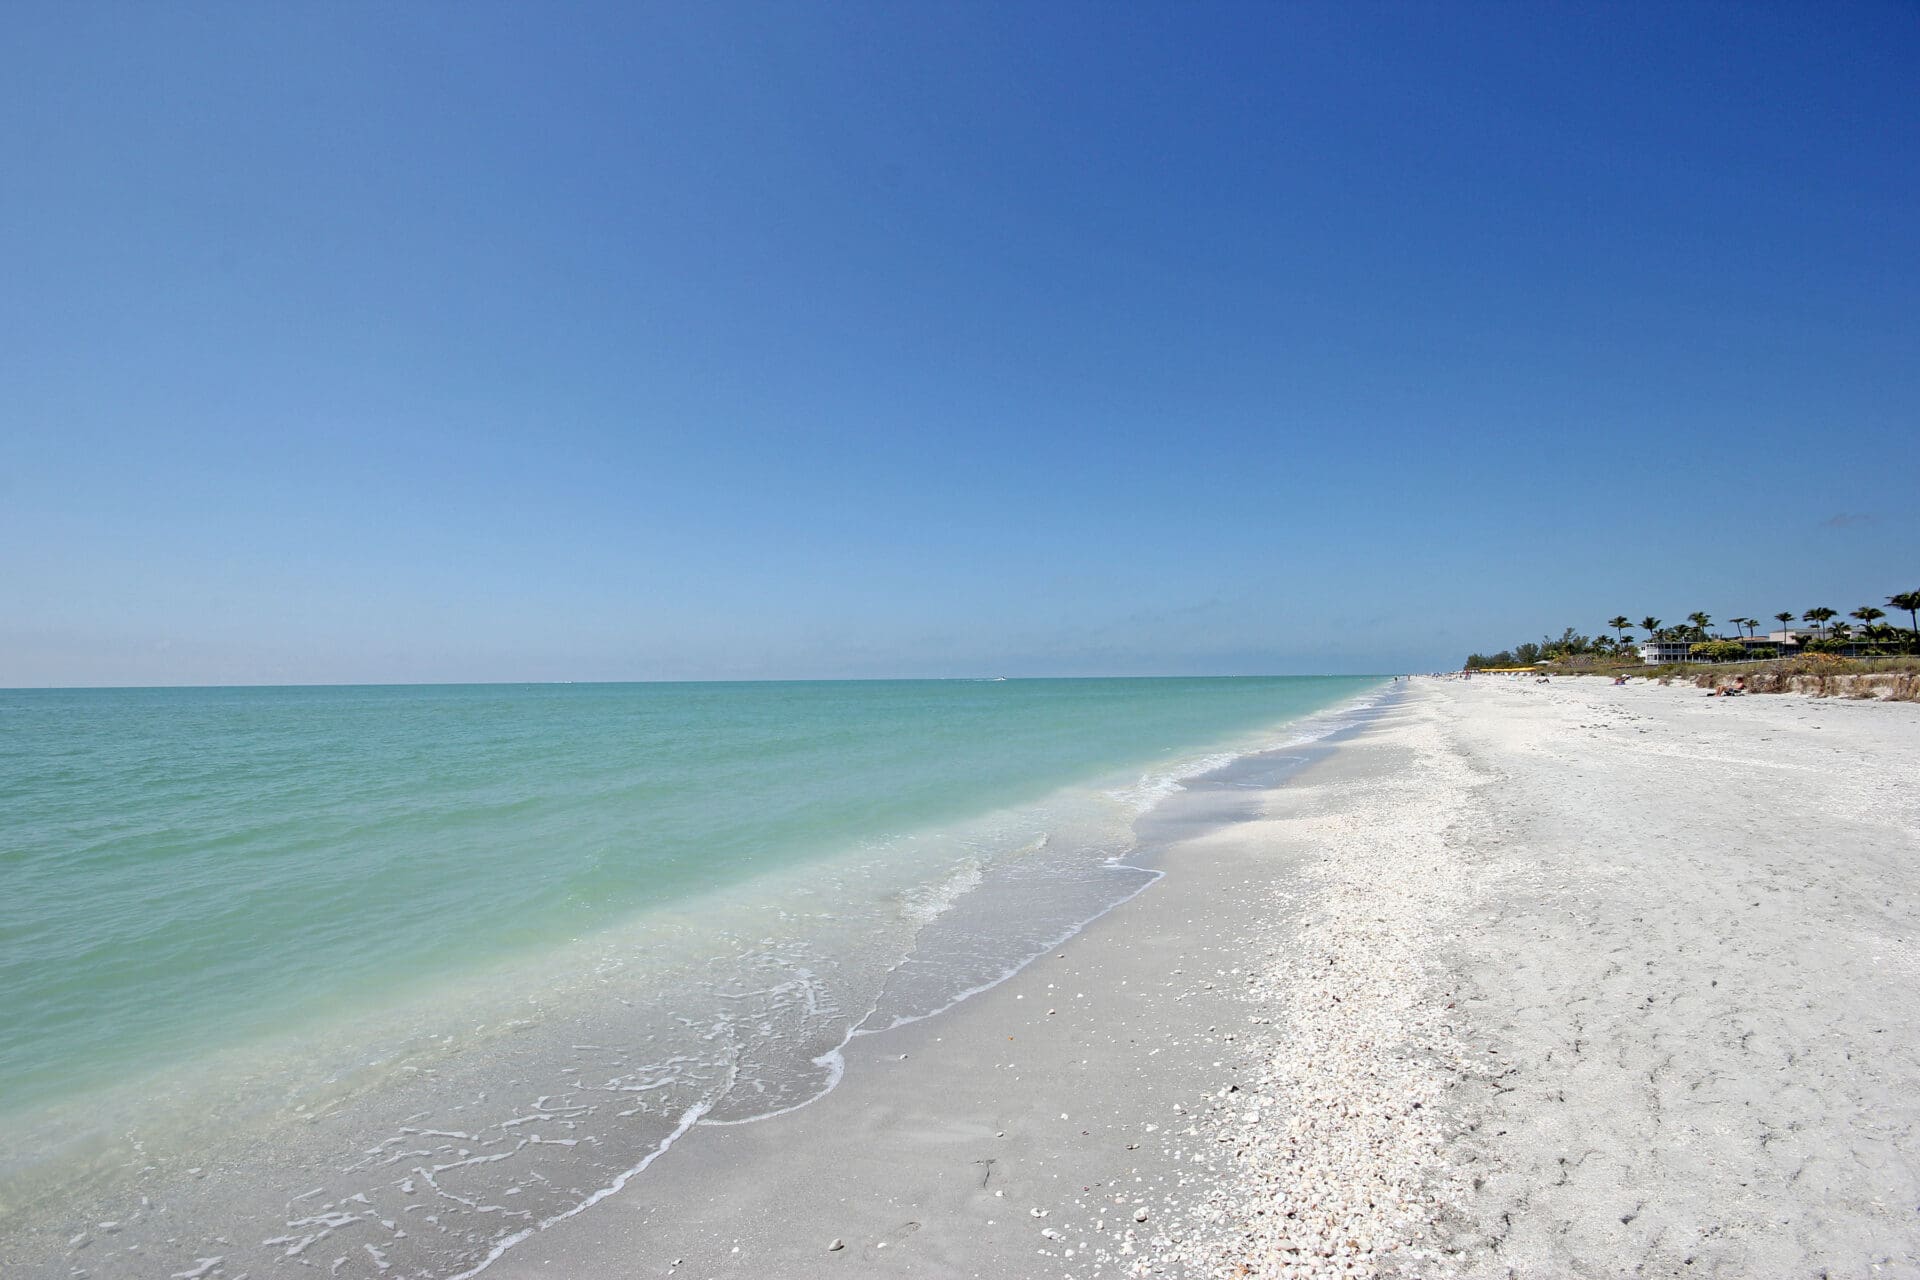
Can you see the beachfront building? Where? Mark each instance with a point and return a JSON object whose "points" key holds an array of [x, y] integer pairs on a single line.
{"points": [[1790, 642], [1657, 652]]}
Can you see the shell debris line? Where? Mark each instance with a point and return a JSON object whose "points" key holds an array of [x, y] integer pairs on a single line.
{"points": [[1326, 1144]]}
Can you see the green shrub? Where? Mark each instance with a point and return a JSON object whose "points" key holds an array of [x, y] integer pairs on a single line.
{"points": [[1718, 650]]}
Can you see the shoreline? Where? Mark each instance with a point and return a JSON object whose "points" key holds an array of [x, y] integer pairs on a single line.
{"points": [[1028, 1087], [1505, 980], [1185, 1089], [1069, 1091], [314, 1144]]}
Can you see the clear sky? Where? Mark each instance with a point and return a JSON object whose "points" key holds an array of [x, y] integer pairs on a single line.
{"points": [[397, 342]]}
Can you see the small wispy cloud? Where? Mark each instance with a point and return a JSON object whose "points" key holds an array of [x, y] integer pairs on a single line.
{"points": [[1849, 520]]}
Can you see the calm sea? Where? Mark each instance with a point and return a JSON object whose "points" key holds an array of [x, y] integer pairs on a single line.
{"points": [[378, 980]]}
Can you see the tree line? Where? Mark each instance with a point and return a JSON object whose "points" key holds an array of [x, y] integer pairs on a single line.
{"points": [[1829, 636]]}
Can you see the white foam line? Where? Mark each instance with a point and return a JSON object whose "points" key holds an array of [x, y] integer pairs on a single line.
{"points": [[836, 1064], [835, 1060], [1152, 790], [687, 1121], [1153, 878]]}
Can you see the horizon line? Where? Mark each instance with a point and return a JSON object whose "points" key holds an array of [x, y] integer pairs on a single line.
{"points": [[471, 684]]}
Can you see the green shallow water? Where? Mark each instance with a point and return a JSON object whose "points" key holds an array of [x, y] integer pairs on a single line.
{"points": [[188, 868], [382, 981]]}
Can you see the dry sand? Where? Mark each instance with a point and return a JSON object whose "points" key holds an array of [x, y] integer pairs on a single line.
{"points": [[1644, 960], [1532, 980], [1693, 937]]}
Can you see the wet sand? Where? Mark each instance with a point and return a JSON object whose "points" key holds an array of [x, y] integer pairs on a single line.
{"points": [[1044, 1127]]}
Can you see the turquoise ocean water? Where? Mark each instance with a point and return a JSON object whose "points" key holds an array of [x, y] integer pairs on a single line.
{"points": [[382, 979]]}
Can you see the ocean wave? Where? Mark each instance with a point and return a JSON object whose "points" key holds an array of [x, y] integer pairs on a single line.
{"points": [[927, 903]]}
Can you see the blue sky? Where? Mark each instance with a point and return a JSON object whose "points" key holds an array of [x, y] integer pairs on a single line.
{"points": [[435, 342]]}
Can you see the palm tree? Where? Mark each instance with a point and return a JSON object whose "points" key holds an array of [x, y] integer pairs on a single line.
{"points": [[1818, 617], [1841, 631], [1785, 619], [1868, 615], [1651, 625], [1743, 623], [1910, 601], [1700, 623], [1620, 624]]}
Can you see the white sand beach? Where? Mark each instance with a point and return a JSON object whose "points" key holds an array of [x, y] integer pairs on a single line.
{"points": [[1522, 980], [1644, 962], [689, 641]]}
